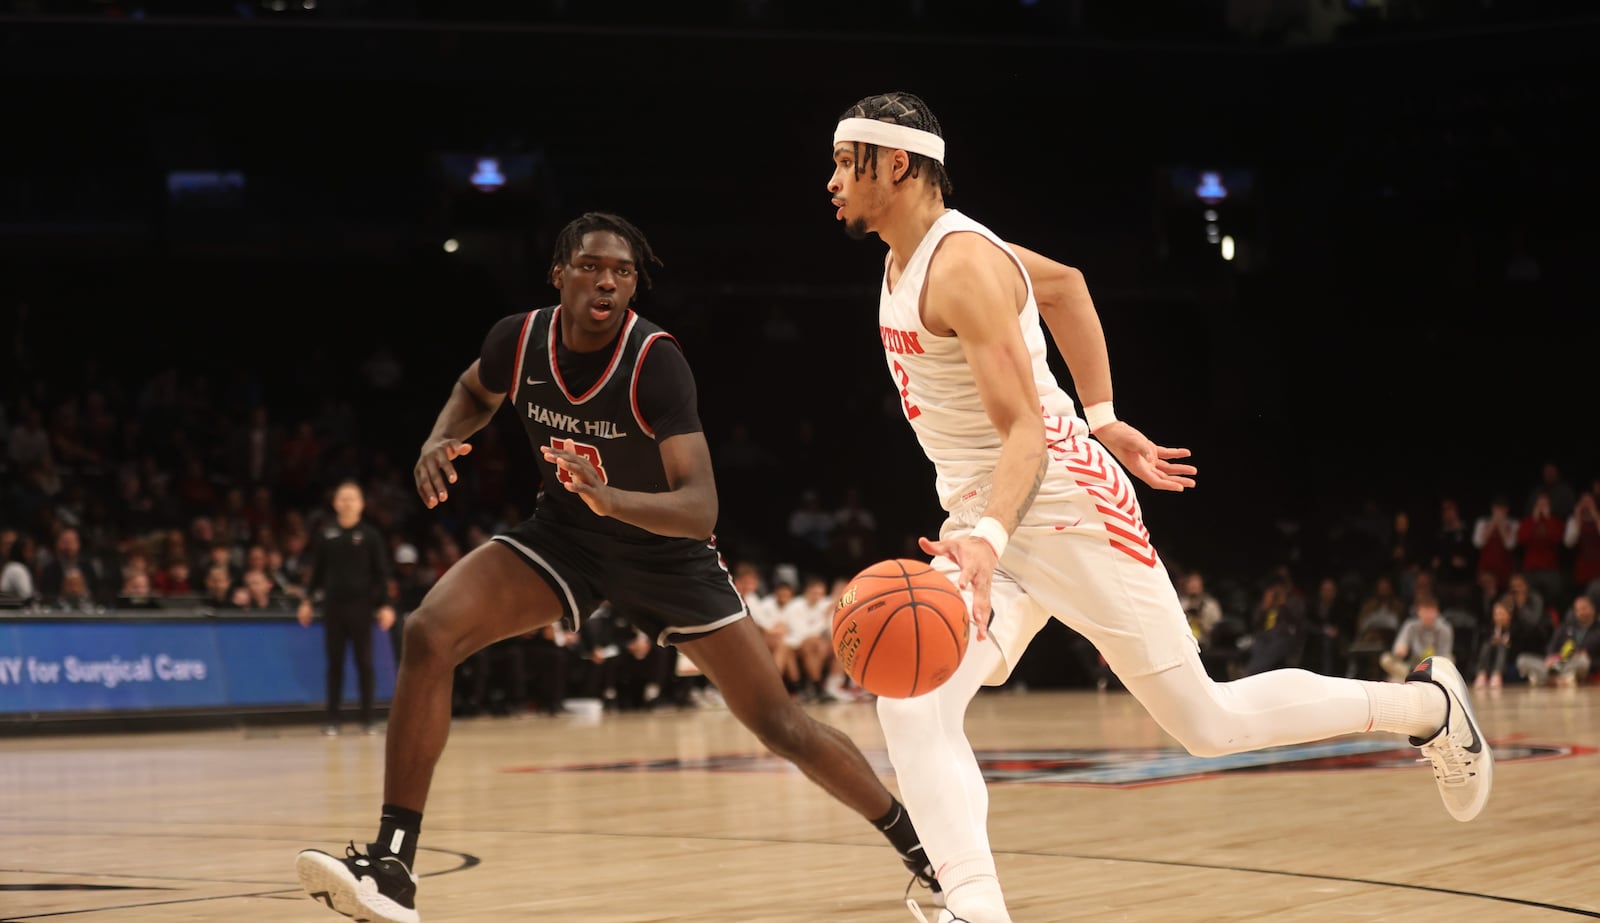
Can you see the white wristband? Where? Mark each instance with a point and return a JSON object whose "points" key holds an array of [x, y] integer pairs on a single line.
{"points": [[1099, 415], [990, 530]]}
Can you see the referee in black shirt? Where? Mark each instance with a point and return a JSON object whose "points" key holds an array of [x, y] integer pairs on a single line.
{"points": [[350, 577]]}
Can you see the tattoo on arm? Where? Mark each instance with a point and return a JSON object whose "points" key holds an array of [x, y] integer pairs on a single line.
{"points": [[1038, 479]]}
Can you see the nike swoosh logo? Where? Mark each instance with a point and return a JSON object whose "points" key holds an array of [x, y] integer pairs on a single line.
{"points": [[1456, 705], [536, 381]]}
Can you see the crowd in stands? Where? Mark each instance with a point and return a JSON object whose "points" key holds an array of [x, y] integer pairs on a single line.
{"points": [[1509, 595], [168, 494]]}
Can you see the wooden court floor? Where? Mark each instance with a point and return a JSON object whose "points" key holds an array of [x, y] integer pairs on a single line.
{"points": [[677, 816]]}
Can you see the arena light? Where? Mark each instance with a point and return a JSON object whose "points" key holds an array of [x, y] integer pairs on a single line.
{"points": [[1210, 188], [451, 245], [1227, 246], [487, 176]]}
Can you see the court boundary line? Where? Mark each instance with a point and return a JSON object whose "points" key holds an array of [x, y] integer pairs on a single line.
{"points": [[470, 861]]}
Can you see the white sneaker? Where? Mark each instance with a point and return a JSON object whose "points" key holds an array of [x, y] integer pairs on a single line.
{"points": [[362, 887], [1462, 762]]}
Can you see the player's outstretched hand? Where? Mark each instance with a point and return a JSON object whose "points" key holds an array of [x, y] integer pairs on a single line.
{"points": [[579, 475], [434, 471], [976, 560], [1150, 463]]}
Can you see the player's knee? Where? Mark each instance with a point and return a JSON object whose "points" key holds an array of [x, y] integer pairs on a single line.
{"points": [[1210, 739], [428, 641], [916, 718]]}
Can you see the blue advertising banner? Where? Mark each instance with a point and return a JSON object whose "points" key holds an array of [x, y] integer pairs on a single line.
{"points": [[111, 666]]}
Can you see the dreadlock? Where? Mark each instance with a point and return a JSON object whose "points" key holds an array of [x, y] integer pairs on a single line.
{"points": [[570, 240], [900, 108]]}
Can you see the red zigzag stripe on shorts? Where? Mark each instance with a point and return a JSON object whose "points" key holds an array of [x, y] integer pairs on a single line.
{"points": [[1113, 498]]}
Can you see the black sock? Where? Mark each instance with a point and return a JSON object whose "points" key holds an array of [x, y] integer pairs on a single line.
{"points": [[896, 826], [397, 834]]}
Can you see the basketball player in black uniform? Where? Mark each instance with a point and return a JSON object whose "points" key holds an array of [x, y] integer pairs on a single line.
{"points": [[626, 515]]}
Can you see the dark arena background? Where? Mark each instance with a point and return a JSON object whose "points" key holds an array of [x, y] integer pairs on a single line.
{"points": [[1343, 250]]}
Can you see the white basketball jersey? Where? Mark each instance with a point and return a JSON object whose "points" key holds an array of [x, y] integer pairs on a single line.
{"points": [[937, 391]]}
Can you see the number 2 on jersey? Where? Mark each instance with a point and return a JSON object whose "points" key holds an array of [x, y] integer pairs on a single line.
{"points": [[583, 450], [912, 410]]}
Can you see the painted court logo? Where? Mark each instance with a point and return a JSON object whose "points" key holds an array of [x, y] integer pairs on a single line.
{"points": [[1114, 768]]}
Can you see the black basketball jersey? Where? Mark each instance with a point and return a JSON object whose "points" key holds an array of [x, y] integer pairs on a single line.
{"points": [[602, 424]]}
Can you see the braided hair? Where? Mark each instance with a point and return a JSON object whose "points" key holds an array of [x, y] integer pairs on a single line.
{"points": [[570, 240], [900, 108]]}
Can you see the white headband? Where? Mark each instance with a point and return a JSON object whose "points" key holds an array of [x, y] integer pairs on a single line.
{"points": [[888, 134]]}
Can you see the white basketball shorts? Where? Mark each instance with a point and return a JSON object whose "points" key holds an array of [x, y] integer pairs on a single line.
{"points": [[1087, 560]]}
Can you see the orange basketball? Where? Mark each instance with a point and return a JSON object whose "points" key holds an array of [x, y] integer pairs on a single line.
{"points": [[900, 629]]}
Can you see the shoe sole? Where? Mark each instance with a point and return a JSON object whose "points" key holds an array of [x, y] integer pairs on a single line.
{"points": [[1484, 766], [327, 881]]}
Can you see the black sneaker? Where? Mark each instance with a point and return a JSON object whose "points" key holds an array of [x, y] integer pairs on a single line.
{"points": [[371, 889], [922, 874]]}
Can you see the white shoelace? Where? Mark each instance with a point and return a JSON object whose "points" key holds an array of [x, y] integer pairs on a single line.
{"points": [[916, 911], [1450, 761]]}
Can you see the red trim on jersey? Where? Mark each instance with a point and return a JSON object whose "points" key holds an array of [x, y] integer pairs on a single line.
{"points": [[1060, 430], [522, 350], [633, 386], [555, 367]]}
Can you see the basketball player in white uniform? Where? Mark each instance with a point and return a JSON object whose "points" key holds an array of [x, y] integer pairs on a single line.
{"points": [[1043, 521]]}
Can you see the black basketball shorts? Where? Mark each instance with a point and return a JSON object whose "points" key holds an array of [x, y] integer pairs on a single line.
{"points": [[672, 589]]}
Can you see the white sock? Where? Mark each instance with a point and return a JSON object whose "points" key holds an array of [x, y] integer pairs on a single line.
{"points": [[1415, 709], [972, 889]]}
